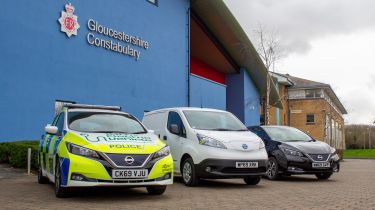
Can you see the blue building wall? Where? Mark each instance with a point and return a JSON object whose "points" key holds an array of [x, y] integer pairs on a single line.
{"points": [[207, 94], [243, 98], [251, 101], [39, 64]]}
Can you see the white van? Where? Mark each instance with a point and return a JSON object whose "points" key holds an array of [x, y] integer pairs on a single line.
{"points": [[209, 143]]}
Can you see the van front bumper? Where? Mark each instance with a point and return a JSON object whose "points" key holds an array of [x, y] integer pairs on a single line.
{"points": [[226, 169]]}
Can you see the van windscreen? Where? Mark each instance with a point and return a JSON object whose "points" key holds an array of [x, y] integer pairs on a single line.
{"points": [[211, 120]]}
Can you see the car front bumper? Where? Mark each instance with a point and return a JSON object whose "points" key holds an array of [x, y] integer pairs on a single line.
{"points": [[226, 168], [136, 183], [99, 173], [303, 165]]}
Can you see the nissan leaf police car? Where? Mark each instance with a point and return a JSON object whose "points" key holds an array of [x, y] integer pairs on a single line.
{"points": [[88, 145]]}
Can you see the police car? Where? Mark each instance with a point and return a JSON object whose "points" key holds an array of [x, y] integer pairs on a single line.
{"points": [[89, 145]]}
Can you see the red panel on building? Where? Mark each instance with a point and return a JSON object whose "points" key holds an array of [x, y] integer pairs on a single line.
{"points": [[201, 69]]}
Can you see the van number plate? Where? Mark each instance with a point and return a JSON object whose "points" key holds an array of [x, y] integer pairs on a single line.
{"points": [[321, 165], [246, 164], [126, 174]]}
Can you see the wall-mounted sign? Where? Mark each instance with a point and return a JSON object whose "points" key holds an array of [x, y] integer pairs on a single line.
{"points": [[68, 21], [120, 42], [102, 36], [295, 111]]}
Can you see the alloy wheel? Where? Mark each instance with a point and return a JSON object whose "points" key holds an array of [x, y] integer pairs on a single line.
{"points": [[186, 172], [271, 169]]}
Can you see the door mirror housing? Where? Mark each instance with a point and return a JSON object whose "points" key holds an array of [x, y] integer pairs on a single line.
{"points": [[51, 129], [174, 129]]}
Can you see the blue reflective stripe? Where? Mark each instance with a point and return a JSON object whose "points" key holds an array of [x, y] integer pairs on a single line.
{"points": [[64, 166], [48, 143], [57, 142]]}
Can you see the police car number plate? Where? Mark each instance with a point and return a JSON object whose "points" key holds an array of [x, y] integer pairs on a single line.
{"points": [[129, 173], [321, 165], [246, 164]]}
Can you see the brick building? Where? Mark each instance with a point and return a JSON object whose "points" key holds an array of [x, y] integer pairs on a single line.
{"points": [[310, 106]]}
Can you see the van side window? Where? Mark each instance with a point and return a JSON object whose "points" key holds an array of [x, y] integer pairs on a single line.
{"points": [[60, 124], [174, 118]]}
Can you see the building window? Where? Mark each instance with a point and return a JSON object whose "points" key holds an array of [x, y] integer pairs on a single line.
{"points": [[154, 2], [310, 119], [313, 93]]}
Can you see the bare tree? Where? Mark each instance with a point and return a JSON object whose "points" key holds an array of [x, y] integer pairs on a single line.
{"points": [[269, 49]]}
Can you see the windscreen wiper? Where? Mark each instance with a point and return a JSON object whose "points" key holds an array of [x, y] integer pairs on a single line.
{"points": [[226, 129], [140, 132], [221, 129]]}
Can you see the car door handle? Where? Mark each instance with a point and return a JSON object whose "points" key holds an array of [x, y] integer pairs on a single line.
{"points": [[165, 138]]}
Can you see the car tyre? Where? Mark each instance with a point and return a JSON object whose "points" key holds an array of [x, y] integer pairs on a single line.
{"points": [[188, 172], [42, 179], [252, 180], [323, 175], [60, 191], [272, 169], [156, 190]]}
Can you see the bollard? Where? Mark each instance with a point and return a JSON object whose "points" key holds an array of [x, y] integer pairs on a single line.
{"points": [[28, 160]]}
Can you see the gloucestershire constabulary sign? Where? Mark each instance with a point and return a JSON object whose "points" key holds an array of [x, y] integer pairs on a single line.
{"points": [[122, 43], [68, 21], [102, 36]]}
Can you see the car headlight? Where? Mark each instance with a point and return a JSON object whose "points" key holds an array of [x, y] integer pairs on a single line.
{"points": [[333, 150], [208, 141], [335, 157], [261, 144], [82, 151], [163, 152], [292, 152]]}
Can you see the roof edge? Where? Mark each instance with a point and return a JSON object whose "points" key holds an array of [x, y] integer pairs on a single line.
{"points": [[221, 22]]}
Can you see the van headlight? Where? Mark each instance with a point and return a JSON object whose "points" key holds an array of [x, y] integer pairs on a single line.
{"points": [[333, 150], [163, 152], [208, 141], [82, 151]]}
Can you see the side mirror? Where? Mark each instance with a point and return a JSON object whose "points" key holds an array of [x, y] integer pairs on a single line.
{"points": [[174, 129], [51, 129]]}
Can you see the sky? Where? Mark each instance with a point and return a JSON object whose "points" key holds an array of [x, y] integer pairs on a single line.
{"points": [[330, 41]]}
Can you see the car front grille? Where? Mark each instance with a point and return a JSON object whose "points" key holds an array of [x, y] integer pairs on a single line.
{"points": [[319, 157], [119, 159]]}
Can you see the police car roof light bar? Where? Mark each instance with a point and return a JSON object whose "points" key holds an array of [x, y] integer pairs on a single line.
{"points": [[88, 106]]}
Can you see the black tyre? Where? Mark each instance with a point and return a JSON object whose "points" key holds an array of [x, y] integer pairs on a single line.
{"points": [[252, 180], [156, 190], [272, 169], [188, 173], [323, 175], [42, 179], [60, 192]]}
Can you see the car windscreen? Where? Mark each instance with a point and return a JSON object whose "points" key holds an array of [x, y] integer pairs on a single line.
{"points": [[284, 134], [97, 122], [211, 120]]}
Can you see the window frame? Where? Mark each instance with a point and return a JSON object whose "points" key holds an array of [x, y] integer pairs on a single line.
{"points": [[307, 117], [182, 129], [314, 92], [60, 130]]}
